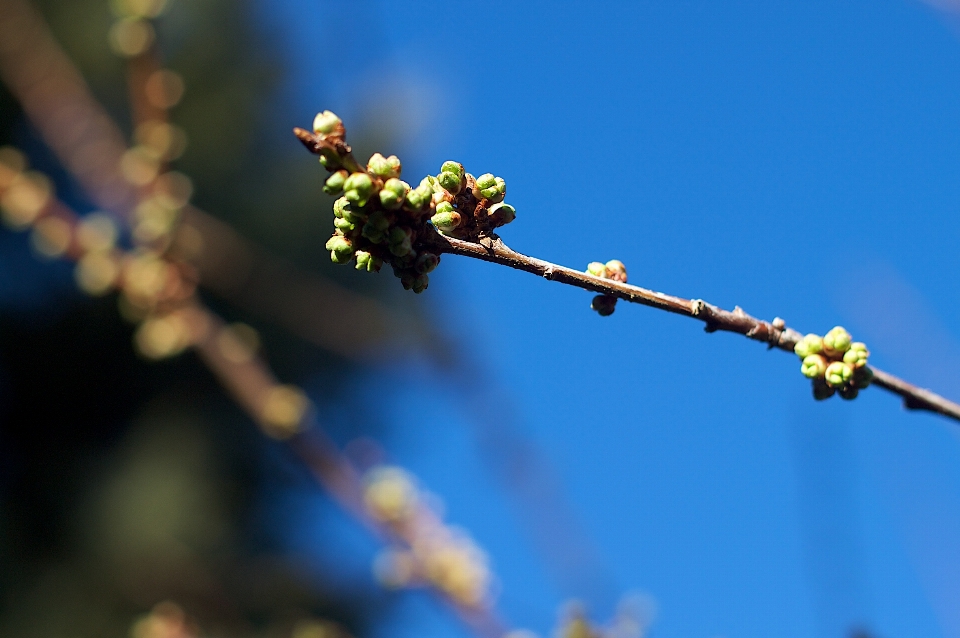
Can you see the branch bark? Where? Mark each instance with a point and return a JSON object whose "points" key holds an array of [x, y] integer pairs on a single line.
{"points": [[775, 334]]}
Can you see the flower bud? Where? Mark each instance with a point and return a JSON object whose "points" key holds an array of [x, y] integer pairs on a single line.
{"points": [[343, 225], [446, 219], [452, 167], [406, 278], [329, 159], [836, 342], [326, 123], [340, 206], [426, 263], [385, 167], [419, 197], [838, 374], [368, 262], [334, 184], [857, 355], [604, 305], [502, 214], [490, 187], [848, 393], [813, 366], [393, 193], [376, 227], [616, 271], [358, 188], [341, 249], [810, 344], [420, 283], [821, 390], [597, 269], [400, 241], [450, 183], [862, 377]]}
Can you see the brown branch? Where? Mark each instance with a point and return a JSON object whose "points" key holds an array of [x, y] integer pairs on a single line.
{"points": [[775, 334]]}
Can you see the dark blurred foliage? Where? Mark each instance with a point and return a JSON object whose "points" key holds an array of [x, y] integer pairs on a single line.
{"points": [[125, 483]]}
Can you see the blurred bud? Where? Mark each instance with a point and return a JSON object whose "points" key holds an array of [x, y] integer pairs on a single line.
{"points": [[164, 336], [426, 263], [810, 344], [329, 159], [51, 236], [502, 214], [393, 193], [326, 123], [857, 355], [385, 167], [821, 390], [131, 36], [848, 393], [368, 262], [334, 183], [604, 305], [96, 273], [836, 342], [283, 411], [813, 366], [341, 249], [838, 374], [862, 377], [394, 568], [420, 283], [597, 269], [25, 199], [390, 495], [617, 271], [490, 187], [358, 188], [97, 232]]}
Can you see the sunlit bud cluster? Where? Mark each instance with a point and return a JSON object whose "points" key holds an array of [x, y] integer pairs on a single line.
{"points": [[834, 363], [604, 305], [437, 555], [381, 219]]}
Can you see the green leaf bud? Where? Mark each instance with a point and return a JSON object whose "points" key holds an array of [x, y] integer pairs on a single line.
{"points": [[502, 214], [343, 225], [420, 283], [862, 377], [836, 342], [838, 374], [616, 270], [393, 193], [813, 366], [821, 390], [326, 123], [857, 355], [368, 262], [358, 188], [597, 269], [334, 184], [810, 344], [426, 262], [341, 249], [848, 393], [604, 305], [385, 167]]}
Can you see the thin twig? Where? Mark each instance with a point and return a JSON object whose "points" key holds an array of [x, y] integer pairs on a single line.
{"points": [[774, 334]]}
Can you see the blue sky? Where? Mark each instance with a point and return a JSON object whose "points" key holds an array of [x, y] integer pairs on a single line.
{"points": [[797, 159]]}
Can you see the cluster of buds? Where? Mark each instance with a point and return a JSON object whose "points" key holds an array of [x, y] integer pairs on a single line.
{"points": [[835, 363], [381, 219], [613, 269], [436, 555]]}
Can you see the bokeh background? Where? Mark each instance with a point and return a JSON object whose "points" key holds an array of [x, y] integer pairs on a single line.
{"points": [[799, 159]]}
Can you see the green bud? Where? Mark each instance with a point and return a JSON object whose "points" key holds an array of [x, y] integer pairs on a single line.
{"points": [[452, 167], [604, 305], [376, 227], [419, 197], [335, 182], [340, 206], [368, 262], [838, 374], [862, 377], [447, 221], [857, 355], [502, 214], [358, 188], [450, 183], [597, 269], [406, 278], [329, 159], [341, 249], [821, 390], [813, 366], [426, 262], [343, 225], [385, 167], [810, 344], [616, 270], [848, 393], [326, 123], [490, 187], [420, 283], [393, 193], [400, 241], [836, 342]]}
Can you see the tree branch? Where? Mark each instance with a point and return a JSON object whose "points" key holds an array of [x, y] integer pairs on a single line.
{"points": [[775, 334]]}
